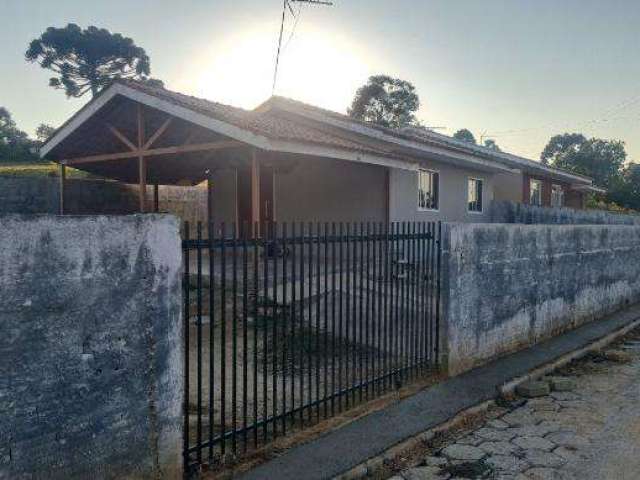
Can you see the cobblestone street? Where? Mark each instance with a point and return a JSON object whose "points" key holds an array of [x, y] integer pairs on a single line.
{"points": [[589, 432]]}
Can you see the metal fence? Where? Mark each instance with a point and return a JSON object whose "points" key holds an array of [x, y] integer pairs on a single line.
{"points": [[289, 324]]}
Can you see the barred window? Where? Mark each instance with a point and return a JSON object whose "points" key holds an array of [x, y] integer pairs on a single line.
{"points": [[428, 190], [474, 195]]}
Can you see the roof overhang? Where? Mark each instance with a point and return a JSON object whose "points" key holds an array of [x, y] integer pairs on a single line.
{"points": [[234, 132], [589, 188]]}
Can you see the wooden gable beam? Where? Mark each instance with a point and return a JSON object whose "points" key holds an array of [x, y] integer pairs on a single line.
{"points": [[157, 133], [120, 136], [198, 147]]}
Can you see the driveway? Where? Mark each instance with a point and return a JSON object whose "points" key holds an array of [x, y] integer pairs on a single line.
{"points": [[591, 432]]}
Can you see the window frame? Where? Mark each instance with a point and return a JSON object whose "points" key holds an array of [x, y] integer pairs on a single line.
{"points": [[554, 188], [481, 199], [437, 188], [531, 183]]}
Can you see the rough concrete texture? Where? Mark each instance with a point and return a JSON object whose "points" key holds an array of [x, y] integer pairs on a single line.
{"points": [[91, 378], [509, 286], [514, 212]]}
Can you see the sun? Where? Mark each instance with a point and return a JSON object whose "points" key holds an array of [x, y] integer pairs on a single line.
{"points": [[316, 66]]}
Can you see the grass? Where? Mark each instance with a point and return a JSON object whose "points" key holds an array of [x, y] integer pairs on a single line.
{"points": [[36, 169]]}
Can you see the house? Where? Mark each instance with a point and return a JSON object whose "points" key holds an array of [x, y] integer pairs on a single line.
{"points": [[288, 161]]}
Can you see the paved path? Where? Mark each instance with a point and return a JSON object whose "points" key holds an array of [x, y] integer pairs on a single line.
{"points": [[592, 432]]}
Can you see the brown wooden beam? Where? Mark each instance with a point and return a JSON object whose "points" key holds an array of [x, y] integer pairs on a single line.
{"points": [[120, 136], [63, 178], [198, 147], [157, 133], [142, 167]]}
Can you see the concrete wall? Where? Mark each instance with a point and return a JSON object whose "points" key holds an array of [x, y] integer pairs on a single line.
{"points": [[331, 190], [91, 377], [27, 195], [512, 212], [403, 195], [508, 286]]}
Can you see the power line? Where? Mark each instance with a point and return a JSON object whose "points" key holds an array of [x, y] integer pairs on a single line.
{"points": [[286, 5]]}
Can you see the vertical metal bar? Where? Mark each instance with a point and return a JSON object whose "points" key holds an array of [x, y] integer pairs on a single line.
{"points": [[199, 338], [187, 311], [396, 303], [293, 312], [361, 345], [274, 385], [234, 339], [437, 299], [302, 323], [212, 363], [412, 302], [368, 316], [310, 328], [256, 275], [245, 340], [317, 329], [431, 287], [376, 311], [403, 301], [333, 318], [325, 348], [223, 337], [265, 328], [348, 319], [340, 315], [385, 308], [420, 293], [284, 328]]}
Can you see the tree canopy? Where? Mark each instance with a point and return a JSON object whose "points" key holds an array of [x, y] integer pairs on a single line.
{"points": [[491, 143], [43, 132], [386, 101], [465, 135], [15, 145], [602, 160], [86, 60]]}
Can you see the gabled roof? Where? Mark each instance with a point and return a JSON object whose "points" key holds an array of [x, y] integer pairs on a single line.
{"points": [[424, 136]]}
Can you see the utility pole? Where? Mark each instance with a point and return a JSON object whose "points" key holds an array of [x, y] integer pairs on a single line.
{"points": [[286, 5]]}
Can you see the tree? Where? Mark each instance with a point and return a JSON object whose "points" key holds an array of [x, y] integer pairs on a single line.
{"points": [[15, 145], [561, 145], [87, 60], [625, 191], [465, 135], [490, 143], [386, 101], [43, 132], [599, 159]]}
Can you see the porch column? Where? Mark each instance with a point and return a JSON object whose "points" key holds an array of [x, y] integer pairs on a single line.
{"points": [[255, 189], [142, 166], [63, 178]]}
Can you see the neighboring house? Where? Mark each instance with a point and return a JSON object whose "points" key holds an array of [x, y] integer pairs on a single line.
{"points": [[288, 161]]}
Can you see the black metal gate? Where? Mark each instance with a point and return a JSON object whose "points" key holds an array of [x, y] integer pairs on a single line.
{"points": [[287, 324]]}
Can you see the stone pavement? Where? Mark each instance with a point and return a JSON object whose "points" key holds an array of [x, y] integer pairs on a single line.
{"points": [[592, 432]]}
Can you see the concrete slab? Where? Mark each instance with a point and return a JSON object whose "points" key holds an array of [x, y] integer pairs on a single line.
{"points": [[342, 449]]}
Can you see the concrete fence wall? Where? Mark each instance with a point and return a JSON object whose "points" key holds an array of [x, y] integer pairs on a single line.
{"points": [[39, 195], [506, 287], [514, 212], [91, 370]]}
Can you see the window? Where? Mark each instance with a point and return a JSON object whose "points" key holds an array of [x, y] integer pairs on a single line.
{"points": [[557, 196], [474, 195], [535, 192], [427, 190]]}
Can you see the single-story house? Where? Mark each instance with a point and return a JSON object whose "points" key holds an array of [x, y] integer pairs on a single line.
{"points": [[289, 161]]}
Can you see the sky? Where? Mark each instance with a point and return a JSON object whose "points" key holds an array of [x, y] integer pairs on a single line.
{"points": [[517, 71]]}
